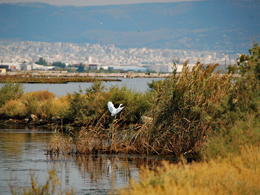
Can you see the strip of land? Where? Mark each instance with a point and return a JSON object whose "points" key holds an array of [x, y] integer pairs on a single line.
{"points": [[59, 77]]}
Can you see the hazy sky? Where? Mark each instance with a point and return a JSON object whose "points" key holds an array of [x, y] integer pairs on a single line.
{"points": [[91, 2]]}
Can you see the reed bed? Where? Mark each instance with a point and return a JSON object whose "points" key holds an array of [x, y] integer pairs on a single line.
{"points": [[185, 111]]}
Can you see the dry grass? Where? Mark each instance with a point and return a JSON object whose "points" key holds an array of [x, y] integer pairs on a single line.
{"points": [[60, 144], [232, 175]]}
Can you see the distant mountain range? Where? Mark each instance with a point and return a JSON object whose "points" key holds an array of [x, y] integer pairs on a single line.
{"points": [[197, 25]]}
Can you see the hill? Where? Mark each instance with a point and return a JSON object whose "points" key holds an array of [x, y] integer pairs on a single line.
{"points": [[199, 25]]}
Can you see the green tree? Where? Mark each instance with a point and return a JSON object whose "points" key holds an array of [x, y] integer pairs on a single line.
{"points": [[59, 64], [41, 62], [81, 67]]}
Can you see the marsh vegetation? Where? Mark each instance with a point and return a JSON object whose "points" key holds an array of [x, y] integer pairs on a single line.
{"points": [[198, 112]]}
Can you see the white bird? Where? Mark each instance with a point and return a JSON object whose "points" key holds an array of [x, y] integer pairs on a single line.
{"points": [[114, 110]]}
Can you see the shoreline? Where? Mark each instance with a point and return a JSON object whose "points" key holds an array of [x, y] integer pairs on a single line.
{"points": [[65, 77]]}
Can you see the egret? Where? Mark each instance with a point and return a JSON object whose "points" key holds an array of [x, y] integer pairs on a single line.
{"points": [[114, 110]]}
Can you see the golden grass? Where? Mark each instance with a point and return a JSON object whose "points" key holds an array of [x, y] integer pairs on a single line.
{"points": [[236, 175], [38, 95]]}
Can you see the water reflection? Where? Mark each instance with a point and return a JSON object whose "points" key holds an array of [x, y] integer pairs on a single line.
{"points": [[23, 151]]}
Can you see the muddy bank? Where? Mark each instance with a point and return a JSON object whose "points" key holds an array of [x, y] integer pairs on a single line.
{"points": [[33, 120]]}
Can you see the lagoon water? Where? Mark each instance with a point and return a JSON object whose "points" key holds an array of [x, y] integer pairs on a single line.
{"points": [[137, 84], [22, 151]]}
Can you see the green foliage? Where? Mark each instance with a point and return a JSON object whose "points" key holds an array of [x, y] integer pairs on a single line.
{"points": [[14, 109], [81, 67], [88, 107], [41, 62], [135, 104], [223, 143], [91, 107], [59, 64], [10, 91], [242, 110], [248, 65]]}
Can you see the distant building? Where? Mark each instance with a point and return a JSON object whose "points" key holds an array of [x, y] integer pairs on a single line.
{"points": [[94, 66], [26, 66], [89, 60], [2, 70], [10, 66], [41, 67], [6, 67]]}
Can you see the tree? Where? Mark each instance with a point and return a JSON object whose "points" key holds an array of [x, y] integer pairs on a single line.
{"points": [[41, 62], [59, 64], [81, 67]]}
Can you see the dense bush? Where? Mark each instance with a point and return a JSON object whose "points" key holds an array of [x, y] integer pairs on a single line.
{"points": [[43, 103], [14, 108], [91, 106], [242, 110]]}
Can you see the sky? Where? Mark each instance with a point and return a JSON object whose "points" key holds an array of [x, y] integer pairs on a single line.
{"points": [[91, 2]]}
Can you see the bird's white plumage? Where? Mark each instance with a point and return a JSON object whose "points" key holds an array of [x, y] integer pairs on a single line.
{"points": [[114, 110], [110, 106]]}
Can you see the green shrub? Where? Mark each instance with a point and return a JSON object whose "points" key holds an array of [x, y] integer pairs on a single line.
{"points": [[91, 107], [39, 103], [224, 143], [14, 108], [10, 91], [241, 111]]}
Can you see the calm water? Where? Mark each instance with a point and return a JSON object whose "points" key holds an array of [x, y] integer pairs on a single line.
{"points": [[137, 84], [22, 151]]}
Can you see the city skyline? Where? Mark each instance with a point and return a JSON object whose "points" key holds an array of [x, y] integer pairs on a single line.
{"points": [[71, 53]]}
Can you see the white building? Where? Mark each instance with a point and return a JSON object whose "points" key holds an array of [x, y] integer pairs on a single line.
{"points": [[26, 66]]}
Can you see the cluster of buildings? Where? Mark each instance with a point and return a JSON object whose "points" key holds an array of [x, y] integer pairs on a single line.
{"points": [[14, 66], [23, 55]]}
